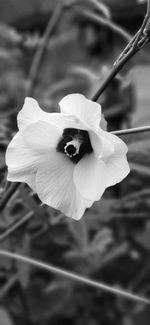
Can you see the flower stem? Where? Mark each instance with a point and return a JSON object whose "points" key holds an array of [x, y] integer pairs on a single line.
{"points": [[133, 130], [145, 21], [115, 69], [139, 40], [16, 225], [9, 193], [75, 277], [41, 48], [110, 25]]}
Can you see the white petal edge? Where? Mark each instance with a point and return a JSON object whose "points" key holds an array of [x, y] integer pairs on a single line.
{"points": [[117, 168], [92, 176], [117, 165], [83, 108], [101, 145], [23, 176], [119, 146], [22, 161], [32, 113]]}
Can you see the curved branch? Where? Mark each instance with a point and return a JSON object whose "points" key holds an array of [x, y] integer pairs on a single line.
{"points": [[139, 40], [41, 48], [75, 277]]}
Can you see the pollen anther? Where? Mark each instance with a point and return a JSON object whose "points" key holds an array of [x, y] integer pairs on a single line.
{"points": [[72, 148]]}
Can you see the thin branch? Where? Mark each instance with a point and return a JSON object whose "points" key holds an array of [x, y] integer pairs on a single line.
{"points": [[133, 130], [148, 7], [75, 277], [95, 18], [113, 73], [11, 190], [10, 283], [145, 21], [141, 30], [42, 46], [139, 40], [15, 226]]}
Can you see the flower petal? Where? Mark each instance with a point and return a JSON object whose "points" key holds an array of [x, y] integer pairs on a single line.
{"points": [[106, 144], [55, 187], [89, 177], [83, 108], [30, 113], [117, 165], [119, 146], [92, 176], [41, 135], [117, 168], [101, 145], [21, 175], [22, 161]]}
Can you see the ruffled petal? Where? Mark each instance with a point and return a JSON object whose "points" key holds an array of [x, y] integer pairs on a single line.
{"points": [[22, 161], [106, 144], [117, 168], [55, 187], [22, 175], [41, 135], [119, 146], [83, 108], [116, 165], [101, 145], [89, 177], [30, 113], [92, 175]]}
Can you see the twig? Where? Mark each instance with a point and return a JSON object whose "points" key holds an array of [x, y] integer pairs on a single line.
{"points": [[10, 283], [133, 130], [145, 21], [142, 275], [106, 23], [140, 39], [11, 190], [134, 41], [15, 226], [113, 73], [42, 46], [75, 277]]}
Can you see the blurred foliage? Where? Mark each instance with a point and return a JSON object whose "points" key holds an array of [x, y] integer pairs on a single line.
{"points": [[112, 241]]}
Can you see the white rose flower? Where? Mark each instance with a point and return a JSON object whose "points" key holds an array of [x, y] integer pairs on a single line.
{"points": [[66, 158]]}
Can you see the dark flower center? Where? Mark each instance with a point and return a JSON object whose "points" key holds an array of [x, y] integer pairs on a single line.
{"points": [[71, 150], [75, 144]]}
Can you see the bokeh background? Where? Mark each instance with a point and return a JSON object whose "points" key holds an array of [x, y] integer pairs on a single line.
{"points": [[111, 243]]}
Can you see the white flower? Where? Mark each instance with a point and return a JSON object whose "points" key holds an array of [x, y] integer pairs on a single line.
{"points": [[66, 158]]}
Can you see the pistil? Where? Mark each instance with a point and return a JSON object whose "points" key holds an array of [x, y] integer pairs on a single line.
{"points": [[72, 148]]}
